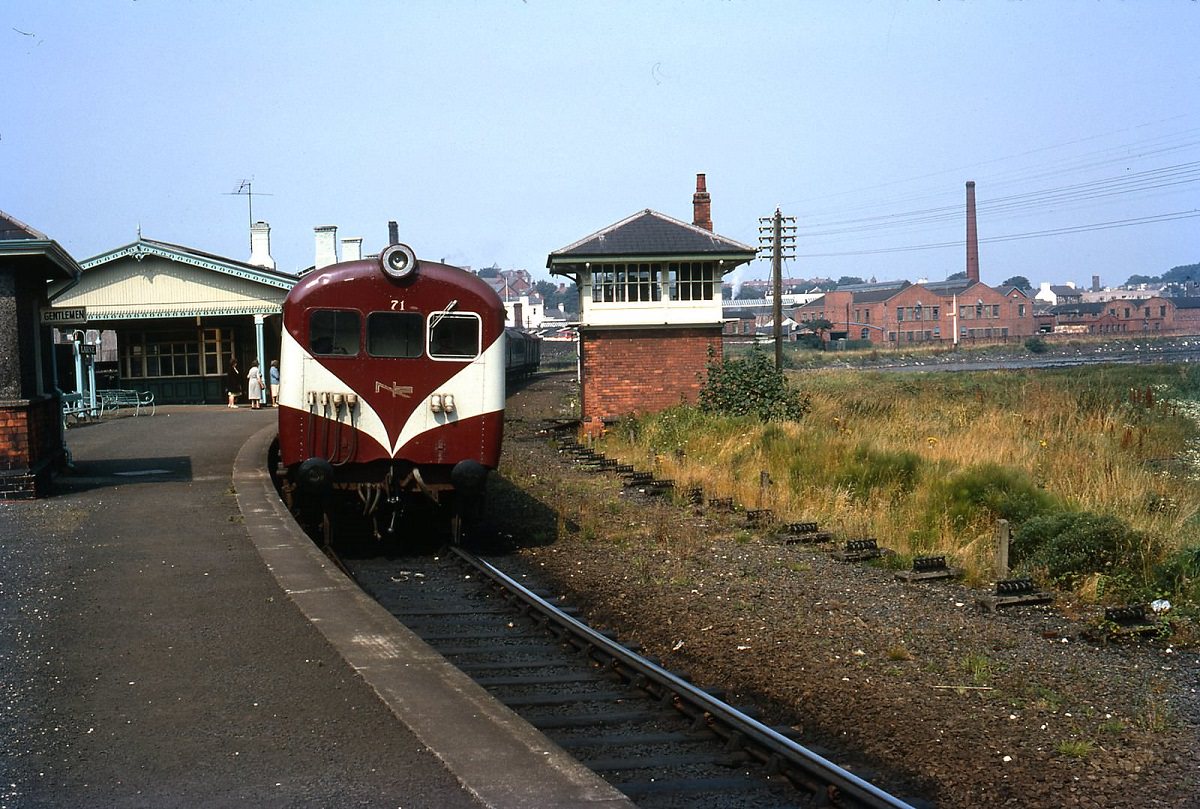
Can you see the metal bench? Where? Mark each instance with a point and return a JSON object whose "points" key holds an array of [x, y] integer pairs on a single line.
{"points": [[115, 399], [74, 405]]}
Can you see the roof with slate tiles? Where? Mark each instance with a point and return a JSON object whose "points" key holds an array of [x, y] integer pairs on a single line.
{"points": [[651, 234]]}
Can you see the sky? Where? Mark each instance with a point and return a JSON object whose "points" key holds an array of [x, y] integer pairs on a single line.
{"points": [[497, 131]]}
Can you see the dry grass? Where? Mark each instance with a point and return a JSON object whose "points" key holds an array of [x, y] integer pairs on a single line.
{"points": [[868, 459]]}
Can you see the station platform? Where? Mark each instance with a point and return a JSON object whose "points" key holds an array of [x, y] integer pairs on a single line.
{"points": [[170, 638]]}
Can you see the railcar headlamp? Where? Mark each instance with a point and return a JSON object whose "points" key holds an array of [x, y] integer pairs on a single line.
{"points": [[399, 261]]}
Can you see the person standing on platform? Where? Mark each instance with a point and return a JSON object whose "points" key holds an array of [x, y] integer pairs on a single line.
{"points": [[233, 381], [256, 386], [274, 377]]}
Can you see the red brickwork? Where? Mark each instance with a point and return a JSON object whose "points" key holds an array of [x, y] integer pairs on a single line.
{"points": [[30, 447], [642, 370]]}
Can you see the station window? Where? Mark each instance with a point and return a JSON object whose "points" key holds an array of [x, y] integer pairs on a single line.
{"points": [[218, 347], [150, 354], [454, 335], [617, 283], [334, 332], [690, 280], [396, 334]]}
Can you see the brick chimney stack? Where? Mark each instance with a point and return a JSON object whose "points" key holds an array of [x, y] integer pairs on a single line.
{"points": [[972, 236], [701, 205]]}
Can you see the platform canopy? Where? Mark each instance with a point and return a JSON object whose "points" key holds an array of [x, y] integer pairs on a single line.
{"points": [[150, 279]]}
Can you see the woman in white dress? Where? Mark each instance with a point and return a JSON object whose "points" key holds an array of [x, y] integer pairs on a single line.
{"points": [[256, 387]]}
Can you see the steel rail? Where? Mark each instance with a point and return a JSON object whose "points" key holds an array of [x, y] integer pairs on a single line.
{"points": [[780, 749]]}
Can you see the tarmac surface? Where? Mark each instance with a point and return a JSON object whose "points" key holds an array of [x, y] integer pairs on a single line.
{"points": [[167, 640]]}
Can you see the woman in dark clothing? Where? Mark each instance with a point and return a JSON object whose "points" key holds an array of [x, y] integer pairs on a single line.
{"points": [[233, 381]]}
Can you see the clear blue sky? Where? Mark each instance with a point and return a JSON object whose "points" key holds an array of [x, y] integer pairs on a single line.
{"points": [[497, 132]]}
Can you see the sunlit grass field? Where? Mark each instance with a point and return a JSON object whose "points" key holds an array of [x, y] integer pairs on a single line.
{"points": [[927, 462]]}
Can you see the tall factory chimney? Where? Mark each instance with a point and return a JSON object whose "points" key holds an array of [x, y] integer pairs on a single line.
{"points": [[972, 236], [701, 205]]}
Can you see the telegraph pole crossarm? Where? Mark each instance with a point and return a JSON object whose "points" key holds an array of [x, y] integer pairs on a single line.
{"points": [[779, 233]]}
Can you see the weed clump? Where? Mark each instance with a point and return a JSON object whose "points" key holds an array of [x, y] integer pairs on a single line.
{"points": [[868, 470], [989, 491]]}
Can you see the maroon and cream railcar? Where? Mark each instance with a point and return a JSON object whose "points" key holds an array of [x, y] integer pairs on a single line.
{"points": [[391, 386]]}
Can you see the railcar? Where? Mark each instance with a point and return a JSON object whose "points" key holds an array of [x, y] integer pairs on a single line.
{"points": [[392, 390], [523, 353]]}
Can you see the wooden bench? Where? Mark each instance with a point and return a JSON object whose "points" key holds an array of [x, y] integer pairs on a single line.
{"points": [[115, 399]]}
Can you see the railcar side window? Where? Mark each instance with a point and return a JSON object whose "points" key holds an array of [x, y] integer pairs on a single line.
{"points": [[396, 334], [454, 335], [334, 331]]}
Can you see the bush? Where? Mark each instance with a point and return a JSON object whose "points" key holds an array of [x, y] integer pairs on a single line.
{"points": [[1179, 574], [1071, 546], [1036, 345], [991, 491], [752, 386]]}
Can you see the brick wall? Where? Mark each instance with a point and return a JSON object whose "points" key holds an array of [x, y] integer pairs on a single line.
{"points": [[30, 447], [642, 370]]}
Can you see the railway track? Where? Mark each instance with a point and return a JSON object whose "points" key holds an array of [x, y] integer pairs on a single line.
{"points": [[649, 732]]}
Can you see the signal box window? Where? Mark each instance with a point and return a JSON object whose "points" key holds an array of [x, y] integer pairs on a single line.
{"points": [[334, 332], [396, 334], [454, 336]]}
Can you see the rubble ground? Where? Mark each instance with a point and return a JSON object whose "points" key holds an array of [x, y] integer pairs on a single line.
{"points": [[907, 684]]}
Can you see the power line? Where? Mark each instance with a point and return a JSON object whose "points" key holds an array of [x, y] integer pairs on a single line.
{"points": [[1120, 223], [1149, 180]]}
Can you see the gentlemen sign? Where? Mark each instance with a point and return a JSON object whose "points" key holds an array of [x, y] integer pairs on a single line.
{"points": [[64, 316]]}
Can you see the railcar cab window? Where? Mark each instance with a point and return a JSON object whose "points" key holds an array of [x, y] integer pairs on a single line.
{"points": [[396, 334], [334, 332], [454, 335]]}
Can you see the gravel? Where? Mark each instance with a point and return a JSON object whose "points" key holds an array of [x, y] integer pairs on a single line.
{"points": [[909, 685]]}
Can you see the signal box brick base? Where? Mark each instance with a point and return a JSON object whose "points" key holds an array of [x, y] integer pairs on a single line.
{"points": [[642, 370]]}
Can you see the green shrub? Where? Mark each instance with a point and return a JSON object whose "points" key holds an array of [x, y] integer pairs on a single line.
{"points": [[1179, 574], [752, 386], [989, 491], [1036, 345], [1073, 545]]}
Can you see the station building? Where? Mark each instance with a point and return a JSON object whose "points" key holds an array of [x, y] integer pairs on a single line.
{"points": [[182, 315]]}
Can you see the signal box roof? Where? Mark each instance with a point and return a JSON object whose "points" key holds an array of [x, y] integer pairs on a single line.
{"points": [[650, 234]]}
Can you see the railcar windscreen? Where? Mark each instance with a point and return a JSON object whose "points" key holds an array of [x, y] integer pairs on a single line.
{"points": [[396, 334], [334, 331], [454, 335]]}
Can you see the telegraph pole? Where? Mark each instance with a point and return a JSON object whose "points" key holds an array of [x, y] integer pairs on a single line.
{"points": [[779, 234]]}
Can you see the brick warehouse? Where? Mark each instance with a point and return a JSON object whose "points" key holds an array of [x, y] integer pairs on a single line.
{"points": [[31, 428], [649, 308]]}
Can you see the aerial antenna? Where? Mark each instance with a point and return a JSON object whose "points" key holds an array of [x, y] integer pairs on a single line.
{"points": [[246, 188]]}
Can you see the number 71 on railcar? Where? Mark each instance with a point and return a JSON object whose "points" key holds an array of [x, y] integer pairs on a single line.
{"points": [[392, 385]]}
